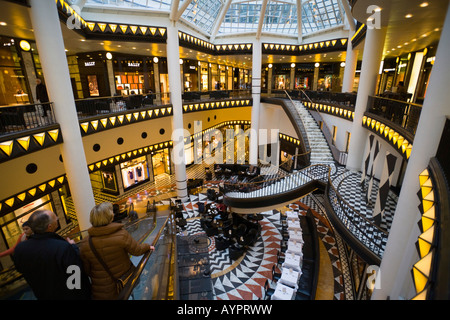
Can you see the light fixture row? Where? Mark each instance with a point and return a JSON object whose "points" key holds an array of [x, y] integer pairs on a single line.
{"points": [[304, 47], [215, 105], [21, 198], [402, 144], [422, 270], [337, 111], [24, 142]]}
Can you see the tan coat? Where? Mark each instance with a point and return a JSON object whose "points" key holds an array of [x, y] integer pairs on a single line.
{"points": [[114, 244]]}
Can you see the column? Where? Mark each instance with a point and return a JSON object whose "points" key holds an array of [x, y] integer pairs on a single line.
{"points": [[173, 66], [292, 77], [50, 43], [351, 60], [400, 253], [269, 79], [111, 78], [256, 95], [158, 97], [316, 76], [373, 50]]}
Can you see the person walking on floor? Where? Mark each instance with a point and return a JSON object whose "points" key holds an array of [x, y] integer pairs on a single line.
{"points": [[50, 264], [113, 244]]}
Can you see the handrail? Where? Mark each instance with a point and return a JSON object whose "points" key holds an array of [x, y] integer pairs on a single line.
{"points": [[302, 127], [260, 185], [339, 205], [127, 290]]}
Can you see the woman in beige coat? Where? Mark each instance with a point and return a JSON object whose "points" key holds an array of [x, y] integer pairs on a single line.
{"points": [[114, 245]]}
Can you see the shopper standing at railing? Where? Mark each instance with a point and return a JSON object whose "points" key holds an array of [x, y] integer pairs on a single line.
{"points": [[42, 96], [105, 252]]}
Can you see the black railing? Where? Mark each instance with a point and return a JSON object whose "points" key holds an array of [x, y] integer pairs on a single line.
{"points": [[28, 116], [404, 114]]}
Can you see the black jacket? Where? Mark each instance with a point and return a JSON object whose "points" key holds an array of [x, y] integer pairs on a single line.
{"points": [[41, 93], [44, 260]]}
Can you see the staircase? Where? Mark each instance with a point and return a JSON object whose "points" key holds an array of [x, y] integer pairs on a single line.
{"points": [[320, 151]]}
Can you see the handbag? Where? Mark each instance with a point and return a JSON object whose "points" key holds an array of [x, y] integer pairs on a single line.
{"points": [[123, 279]]}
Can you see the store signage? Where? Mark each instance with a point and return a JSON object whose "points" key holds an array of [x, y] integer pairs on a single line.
{"points": [[134, 64], [89, 64], [192, 67]]}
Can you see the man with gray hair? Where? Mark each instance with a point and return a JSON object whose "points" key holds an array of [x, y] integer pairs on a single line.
{"points": [[50, 264]]}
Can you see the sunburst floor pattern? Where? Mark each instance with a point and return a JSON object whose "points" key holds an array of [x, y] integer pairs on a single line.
{"points": [[244, 278]]}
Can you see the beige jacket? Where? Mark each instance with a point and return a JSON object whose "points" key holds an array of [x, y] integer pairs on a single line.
{"points": [[114, 244]]}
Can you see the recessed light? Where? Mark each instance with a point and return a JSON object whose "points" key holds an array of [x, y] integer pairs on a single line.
{"points": [[3, 24], [409, 15], [424, 4]]}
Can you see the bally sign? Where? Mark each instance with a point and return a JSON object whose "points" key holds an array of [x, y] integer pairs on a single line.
{"points": [[89, 64], [134, 64]]}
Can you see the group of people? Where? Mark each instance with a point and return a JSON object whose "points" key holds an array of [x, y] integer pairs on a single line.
{"points": [[58, 269]]}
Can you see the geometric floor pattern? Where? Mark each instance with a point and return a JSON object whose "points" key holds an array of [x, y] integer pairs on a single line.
{"points": [[244, 278]]}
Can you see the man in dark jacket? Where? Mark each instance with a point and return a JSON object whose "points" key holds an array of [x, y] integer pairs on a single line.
{"points": [[42, 96], [50, 264]]}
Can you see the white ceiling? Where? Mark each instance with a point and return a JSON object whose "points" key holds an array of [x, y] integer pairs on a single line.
{"points": [[403, 35]]}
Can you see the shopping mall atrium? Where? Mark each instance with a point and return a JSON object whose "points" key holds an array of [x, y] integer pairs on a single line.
{"points": [[267, 149]]}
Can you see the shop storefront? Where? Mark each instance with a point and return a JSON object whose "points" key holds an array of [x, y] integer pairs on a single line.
{"points": [[14, 86], [134, 74], [190, 75], [93, 74], [134, 172], [161, 162], [204, 76], [105, 180], [281, 76]]}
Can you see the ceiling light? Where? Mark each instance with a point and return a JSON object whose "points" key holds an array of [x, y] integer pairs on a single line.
{"points": [[409, 15], [3, 24], [316, 64], [424, 4]]}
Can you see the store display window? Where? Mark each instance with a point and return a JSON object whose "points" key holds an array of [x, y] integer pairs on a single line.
{"points": [[203, 76], [134, 171], [161, 162], [14, 89], [12, 222]]}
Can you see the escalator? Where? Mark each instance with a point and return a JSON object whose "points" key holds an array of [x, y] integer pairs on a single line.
{"points": [[155, 277]]}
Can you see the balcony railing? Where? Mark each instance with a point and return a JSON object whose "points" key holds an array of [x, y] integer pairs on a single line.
{"points": [[28, 116], [404, 114]]}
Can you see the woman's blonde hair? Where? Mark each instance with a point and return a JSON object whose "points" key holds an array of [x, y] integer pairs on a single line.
{"points": [[102, 214]]}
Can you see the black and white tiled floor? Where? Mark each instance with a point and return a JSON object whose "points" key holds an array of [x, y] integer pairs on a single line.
{"points": [[244, 278]]}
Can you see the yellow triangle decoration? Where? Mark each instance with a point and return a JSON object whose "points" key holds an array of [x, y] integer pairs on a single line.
{"points": [[143, 30], [52, 183], [24, 142], [60, 179], [85, 126], [42, 187], [91, 167], [40, 138], [102, 26], [136, 116], [54, 134], [120, 118], [7, 147], [21, 196], [133, 29], [10, 202], [153, 31], [112, 120], [123, 28], [113, 27], [32, 192], [104, 122], [162, 31], [95, 124], [91, 25]]}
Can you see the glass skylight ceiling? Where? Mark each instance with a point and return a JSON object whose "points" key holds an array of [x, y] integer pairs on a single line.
{"points": [[243, 15]]}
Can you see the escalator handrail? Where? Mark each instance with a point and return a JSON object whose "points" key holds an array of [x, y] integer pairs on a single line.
{"points": [[129, 287]]}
